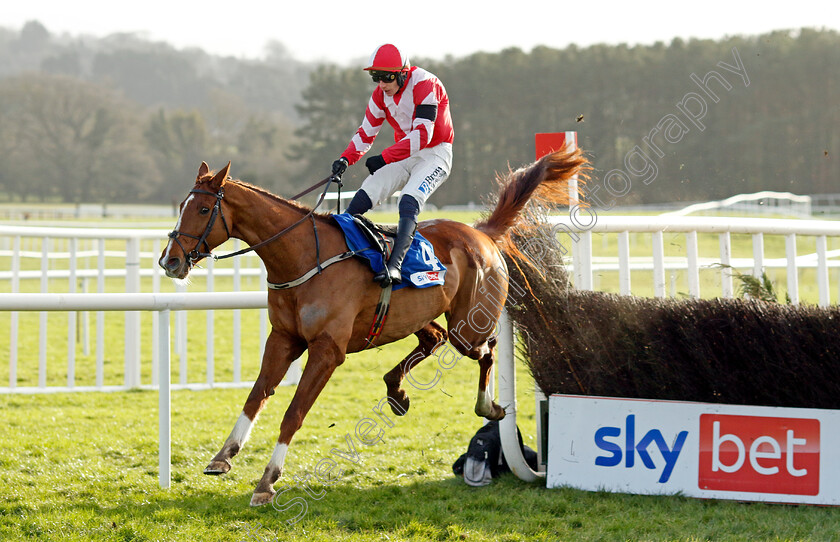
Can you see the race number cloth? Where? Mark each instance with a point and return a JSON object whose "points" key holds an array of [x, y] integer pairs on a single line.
{"points": [[421, 268]]}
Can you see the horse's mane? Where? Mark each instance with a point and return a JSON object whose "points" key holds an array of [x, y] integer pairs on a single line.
{"points": [[267, 194]]}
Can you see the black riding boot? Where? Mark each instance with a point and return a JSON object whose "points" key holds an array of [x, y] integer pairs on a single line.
{"points": [[405, 235]]}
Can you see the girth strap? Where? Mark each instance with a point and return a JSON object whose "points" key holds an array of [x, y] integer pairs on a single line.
{"points": [[312, 272]]}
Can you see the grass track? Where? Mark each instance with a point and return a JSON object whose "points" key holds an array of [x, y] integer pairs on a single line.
{"points": [[84, 467]]}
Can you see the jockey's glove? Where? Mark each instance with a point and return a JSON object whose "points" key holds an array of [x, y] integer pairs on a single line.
{"points": [[374, 162], [339, 166]]}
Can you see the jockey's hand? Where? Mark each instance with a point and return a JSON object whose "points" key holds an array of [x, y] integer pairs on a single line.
{"points": [[339, 166], [374, 162]]}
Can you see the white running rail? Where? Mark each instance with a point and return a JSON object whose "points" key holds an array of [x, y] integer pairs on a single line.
{"points": [[13, 241], [766, 202], [163, 304]]}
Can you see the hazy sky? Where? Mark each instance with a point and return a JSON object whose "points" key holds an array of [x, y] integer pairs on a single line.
{"points": [[348, 31]]}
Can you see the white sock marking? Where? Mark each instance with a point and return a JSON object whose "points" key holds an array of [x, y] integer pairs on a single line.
{"points": [[279, 456], [242, 430]]}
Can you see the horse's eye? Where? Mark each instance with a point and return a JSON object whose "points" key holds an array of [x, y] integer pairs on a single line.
{"points": [[204, 210]]}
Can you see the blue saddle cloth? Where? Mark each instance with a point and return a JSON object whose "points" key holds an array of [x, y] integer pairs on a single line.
{"points": [[420, 269]]}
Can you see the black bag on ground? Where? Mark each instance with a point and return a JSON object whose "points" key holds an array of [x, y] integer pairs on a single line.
{"points": [[484, 459]]}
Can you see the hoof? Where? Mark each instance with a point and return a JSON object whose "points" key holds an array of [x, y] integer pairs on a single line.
{"points": [[259, 499], [218, 467], [399, 403], [496, 412]]}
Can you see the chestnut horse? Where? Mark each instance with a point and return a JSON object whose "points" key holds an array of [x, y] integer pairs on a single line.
{"points": [[330, 315]]}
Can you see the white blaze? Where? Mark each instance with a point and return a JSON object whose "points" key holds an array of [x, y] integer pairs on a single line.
{"points": [[177, 228]]}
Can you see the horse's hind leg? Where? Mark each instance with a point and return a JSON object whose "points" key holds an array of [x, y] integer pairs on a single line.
{"points": [[472, 321], [478, 345], [279, 354], [430, 336], [484, 404]]}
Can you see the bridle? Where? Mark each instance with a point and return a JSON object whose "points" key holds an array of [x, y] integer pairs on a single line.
{"points": [[194, 255]]}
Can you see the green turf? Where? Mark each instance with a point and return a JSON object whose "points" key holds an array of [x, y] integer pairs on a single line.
{"points": [[84, 466]]}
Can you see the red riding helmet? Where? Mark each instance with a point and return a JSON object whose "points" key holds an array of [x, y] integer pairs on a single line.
{"points": [[387, 58]]}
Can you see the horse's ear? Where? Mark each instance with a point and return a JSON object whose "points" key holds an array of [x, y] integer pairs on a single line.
{"points": [[220, 177], [203, 170]]}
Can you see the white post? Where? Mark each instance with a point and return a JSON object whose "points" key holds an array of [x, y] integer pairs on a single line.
{"points": [[13, 332], [758, 254], [71, 317], [658, 265], [237, 317], [507, 399], [294, 373], [164, 402], [210, 331], [822, 271], [85, 322], [624, 283], [571, 144], [42, 337], [726, 259], [792, 271], [181, 338], [581, 250], [155, 315], [132, 318], [693, 266], [100, 318]]}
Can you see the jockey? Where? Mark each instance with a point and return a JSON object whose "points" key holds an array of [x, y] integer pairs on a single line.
{"points": [[415, 104]]}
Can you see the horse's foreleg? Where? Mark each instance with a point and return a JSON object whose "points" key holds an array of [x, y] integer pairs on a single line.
{"points": [[431, 335], [324, 356], [484, 404], [280, 352]]}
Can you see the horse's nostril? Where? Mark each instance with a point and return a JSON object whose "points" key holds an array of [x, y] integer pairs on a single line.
{"points": [[172, 264]]}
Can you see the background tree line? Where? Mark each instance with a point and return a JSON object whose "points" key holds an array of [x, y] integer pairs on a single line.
{"points": [[125, 119]]}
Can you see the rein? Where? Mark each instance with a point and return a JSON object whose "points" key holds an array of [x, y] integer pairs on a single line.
{"points": [[334, 178], [194, 255]]}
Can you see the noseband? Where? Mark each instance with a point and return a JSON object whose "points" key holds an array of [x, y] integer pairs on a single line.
{"points": [[194, 255]]}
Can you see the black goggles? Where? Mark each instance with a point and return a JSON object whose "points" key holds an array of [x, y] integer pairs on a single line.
{"points": [[387, 77]]}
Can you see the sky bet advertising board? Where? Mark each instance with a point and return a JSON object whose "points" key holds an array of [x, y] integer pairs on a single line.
{"points": [[696, 449]]}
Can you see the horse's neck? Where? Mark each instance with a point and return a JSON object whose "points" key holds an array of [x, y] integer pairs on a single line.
{"points": [[259, 217]]}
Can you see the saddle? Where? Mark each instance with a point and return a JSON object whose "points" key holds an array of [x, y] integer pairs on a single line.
{"points": [[374, 243], [380, 236]]}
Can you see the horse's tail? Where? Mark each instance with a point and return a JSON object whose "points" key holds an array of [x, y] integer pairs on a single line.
{"points": [[544, 183]]}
